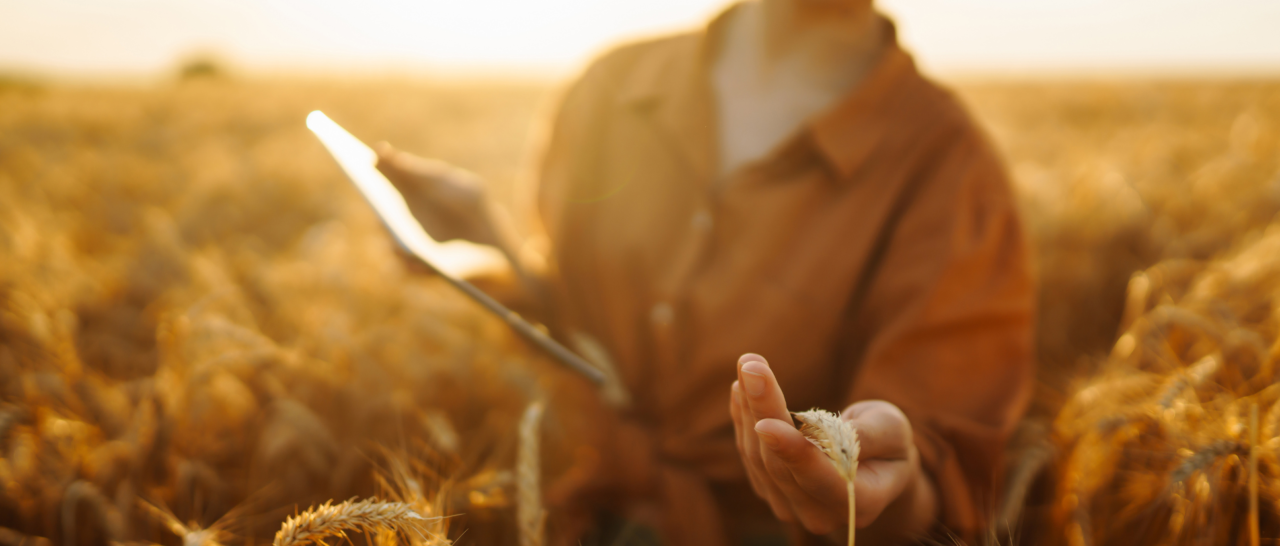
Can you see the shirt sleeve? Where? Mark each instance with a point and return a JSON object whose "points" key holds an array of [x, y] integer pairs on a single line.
{"points": [[562, 146], [568, 167], [944, 328]]}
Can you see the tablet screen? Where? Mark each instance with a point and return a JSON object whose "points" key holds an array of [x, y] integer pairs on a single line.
{"points": [[457, 258]]}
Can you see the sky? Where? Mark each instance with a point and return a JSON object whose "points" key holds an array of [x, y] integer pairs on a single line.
{"points": [[555, 37]]}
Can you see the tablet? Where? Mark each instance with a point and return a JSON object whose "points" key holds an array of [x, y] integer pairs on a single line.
{"points": [[453, 260], [457, 258]]}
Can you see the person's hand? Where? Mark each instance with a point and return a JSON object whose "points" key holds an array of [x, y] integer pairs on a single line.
{"points": [[799, 482], [450, 203]]}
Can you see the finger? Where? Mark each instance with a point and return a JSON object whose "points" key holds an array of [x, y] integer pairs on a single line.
{"points": [[735, 411], [752, 383], [752, 458], [886, 467], [388, 160], [764, 396], [765, 488], [805, 464], [816, 492], [763, 400], [735, 415], [750, 444], [390, 164], [884, 432], [410, 173]]}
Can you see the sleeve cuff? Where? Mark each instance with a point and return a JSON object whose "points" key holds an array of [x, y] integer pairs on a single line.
{"points": [[956, 507]]}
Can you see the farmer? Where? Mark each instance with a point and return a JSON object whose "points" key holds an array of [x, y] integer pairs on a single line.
{"points": [[781, 183]]}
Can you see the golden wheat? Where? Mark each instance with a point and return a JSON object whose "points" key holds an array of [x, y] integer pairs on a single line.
{"points": [[838, 440], [191, 535], [532, 518], [1179, 458], [189, 289], [328, 520]]}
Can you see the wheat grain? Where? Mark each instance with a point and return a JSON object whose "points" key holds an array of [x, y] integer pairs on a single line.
{"points": [[838, 440], [329, 520], [441, 431], [1202, 459], [1195, 375], [1136, 297], [407, 479]]}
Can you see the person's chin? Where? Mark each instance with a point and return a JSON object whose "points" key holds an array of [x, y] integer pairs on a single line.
{"points": [[846, 4], [820, 8]]}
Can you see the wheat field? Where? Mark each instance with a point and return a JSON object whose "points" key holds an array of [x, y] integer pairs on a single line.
{"points": [[204, 331]]}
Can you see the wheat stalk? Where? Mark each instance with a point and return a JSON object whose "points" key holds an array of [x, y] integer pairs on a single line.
{"points": [[328, 520], [1254, 536], [838, 440], [529, 513], [108, 517]]}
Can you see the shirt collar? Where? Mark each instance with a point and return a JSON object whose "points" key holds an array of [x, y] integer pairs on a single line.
{"points": [[850, 131], [674, 86]]}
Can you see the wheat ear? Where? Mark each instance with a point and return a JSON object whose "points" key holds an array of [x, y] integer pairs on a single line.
{"points": [[529, 513], [192, 535], [839, 441], [328, 520], [1203, 458], [1192, 377]]}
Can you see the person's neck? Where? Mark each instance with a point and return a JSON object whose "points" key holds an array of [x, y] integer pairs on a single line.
{"points": [[836, 43]]}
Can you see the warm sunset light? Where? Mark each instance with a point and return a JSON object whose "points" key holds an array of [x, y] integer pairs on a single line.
{"points": [[639, 273], [556, 36]]}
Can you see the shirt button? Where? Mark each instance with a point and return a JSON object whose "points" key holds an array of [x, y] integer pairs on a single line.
{"points": [[702, 220], [662, 313]]}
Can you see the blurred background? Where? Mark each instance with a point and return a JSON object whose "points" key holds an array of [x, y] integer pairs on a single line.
{"points": [[553, 37], [197, 309]]}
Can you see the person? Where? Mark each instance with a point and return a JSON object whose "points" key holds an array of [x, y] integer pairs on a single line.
{"points": [[785, 183]]}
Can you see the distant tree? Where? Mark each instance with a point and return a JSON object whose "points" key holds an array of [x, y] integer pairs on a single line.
{"points": [[199, 67]]}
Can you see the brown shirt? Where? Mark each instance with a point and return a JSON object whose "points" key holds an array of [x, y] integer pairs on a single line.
{"points": [[876, 254]]}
